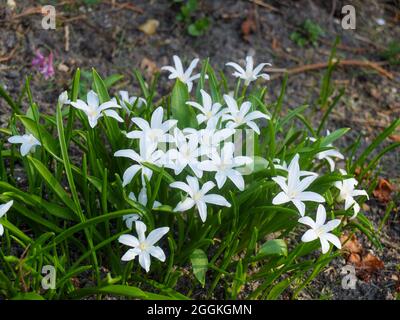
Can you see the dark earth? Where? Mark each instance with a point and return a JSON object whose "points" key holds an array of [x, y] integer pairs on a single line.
{"points": [[105, 35]]}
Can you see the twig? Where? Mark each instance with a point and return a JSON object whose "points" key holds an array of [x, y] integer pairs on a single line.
{"points": [[126, 5], [352, 63], [66, 37], [9, 56], [264, 5]]}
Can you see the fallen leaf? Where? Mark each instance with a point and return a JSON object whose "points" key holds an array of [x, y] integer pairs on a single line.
{"points": [[366, 263], [354, 258], [371, 263], [148, 66], [351, 246], [275, 44], [365, 207], [395, 137], [62, 67], [248, 26], [383, 191], [149, 27]]}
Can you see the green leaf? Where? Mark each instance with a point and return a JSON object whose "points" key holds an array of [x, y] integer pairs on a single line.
{"points": [[52, 183], [28, 296], [334, 136], [378, 140], [119, 290], [34, 200], [100, 87], [273, 247], [8, 99], [200, 265], [113, 79], [180, 110], [13, 229]]}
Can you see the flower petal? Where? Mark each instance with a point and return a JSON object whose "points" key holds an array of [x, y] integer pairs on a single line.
{"points": [[202, 207], [140, 230], [144, 260], [185, 205], [310, 196], [324, 245], [280, 198], [157, 253], [216, 199], [308, 236], [300, 206], [333, 239], [156, 235], [321, 215], [129, 240], [130, 255]]}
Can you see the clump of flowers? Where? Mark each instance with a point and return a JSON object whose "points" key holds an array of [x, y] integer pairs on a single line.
{"points": [[44, 64], [210, 173]]}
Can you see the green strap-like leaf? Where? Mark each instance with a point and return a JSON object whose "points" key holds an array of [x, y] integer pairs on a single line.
{"points": [[200, 265]]}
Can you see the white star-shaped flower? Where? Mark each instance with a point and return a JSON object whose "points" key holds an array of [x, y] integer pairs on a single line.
{"points": [[284, 167], [183, 75], [198, 196], [63, 98], [209, 109], [348, 192], [143, 246], [328, 154], [94, 111], [243, 116], [321, 230], [293, 189], [156, 131], [224, 165], [148, 153], [142, 199], [28, 143], [251, 73], [125, 98], [186, 154]]}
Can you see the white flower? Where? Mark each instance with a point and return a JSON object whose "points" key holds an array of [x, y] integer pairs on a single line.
{"points": [[148, 153], [209, 138], [94, 111], [209, 109], [130, 219], [184, 76], [154, 132], [284, 167], [224, 165], [185, 154], [328, 154], [142, 199], [249, 74], [124, 99], [237, 117], [293, 188], [198, 196], [28, 143], [3, 210], [142, 246], [63, 98], [320, 229], [348, 192]]}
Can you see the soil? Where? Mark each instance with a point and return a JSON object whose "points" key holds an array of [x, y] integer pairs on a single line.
{"points": [[106, 37]]}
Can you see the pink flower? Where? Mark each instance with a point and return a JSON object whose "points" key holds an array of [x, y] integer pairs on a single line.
{"points": [[44, 64]]}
